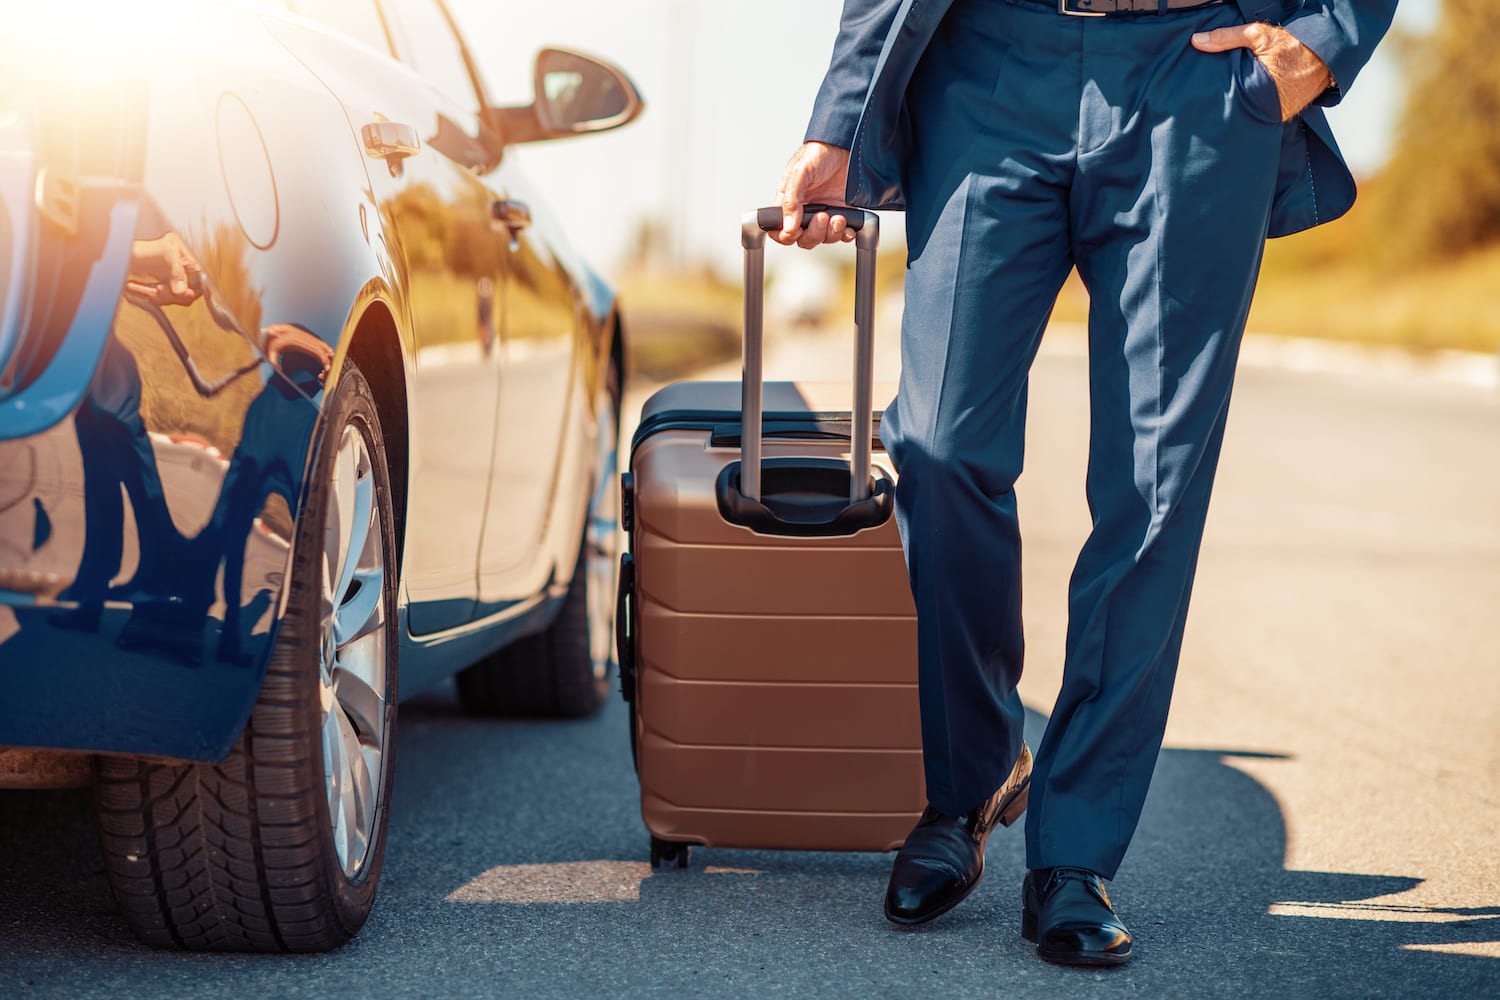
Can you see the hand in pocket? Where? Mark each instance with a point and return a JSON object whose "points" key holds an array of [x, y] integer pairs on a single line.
{"points": [[1300, 76]]}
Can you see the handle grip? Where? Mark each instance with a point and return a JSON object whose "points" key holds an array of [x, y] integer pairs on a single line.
{"points": [[771, 217]]}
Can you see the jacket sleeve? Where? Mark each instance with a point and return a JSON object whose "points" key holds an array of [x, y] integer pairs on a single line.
{"points": [[863, 28], [1343, 33]]}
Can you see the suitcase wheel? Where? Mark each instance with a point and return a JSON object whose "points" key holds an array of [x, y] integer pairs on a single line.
{"points": [[668, 850]]}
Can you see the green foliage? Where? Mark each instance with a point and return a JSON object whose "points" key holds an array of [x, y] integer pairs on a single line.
{"points": [[1441, 190]]}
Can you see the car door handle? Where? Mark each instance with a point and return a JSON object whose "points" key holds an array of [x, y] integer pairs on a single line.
{"points": [[516, 215], [390, 141]]}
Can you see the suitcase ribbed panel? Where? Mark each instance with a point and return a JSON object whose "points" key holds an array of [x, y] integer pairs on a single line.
{"points": [[772, 714], [776, 696], [791, 780], [741, 648], [764, 828], [732, 578]]}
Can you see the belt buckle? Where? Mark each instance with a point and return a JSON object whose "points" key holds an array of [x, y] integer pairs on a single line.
{"points": [[1063, 8]]}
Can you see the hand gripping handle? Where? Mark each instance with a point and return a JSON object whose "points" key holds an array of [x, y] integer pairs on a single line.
{"points": [[771, 218]]}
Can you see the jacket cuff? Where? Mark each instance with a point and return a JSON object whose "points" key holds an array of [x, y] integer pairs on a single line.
{"points": [[833, 125], [1321, 32]]}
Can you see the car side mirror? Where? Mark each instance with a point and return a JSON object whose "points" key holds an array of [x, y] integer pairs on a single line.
{"points": [[575, 94]]}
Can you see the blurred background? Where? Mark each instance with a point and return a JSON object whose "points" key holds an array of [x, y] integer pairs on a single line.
{"points": [[729, 87]]}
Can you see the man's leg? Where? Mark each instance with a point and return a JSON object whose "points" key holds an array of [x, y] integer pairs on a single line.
{"points": [[987, 235], [1170, 209]]}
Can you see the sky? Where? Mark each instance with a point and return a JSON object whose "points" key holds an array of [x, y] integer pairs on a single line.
{"points": [[728, 89]]}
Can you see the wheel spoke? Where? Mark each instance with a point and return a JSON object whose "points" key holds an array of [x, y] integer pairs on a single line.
{"points": [[352, 551], [362, 611], [362, 781], [349, 795], [359, 698], [334, 770], [340, 507], [325, 592], [365, 659]]}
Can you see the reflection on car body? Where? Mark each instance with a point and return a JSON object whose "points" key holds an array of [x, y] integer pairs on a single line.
{"points": [[295, 373]]}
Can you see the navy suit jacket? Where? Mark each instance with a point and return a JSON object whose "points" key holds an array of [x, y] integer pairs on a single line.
{"points": [[860, 106]]}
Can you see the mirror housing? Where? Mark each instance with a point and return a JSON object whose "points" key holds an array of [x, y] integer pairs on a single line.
{"points": [[575, 94]]}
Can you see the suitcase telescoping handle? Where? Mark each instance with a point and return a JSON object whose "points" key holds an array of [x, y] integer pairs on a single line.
{"points": [[866, 226], [802, 508]]}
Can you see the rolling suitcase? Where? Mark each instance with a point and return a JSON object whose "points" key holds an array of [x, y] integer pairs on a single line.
{"points": [[767, 636]]}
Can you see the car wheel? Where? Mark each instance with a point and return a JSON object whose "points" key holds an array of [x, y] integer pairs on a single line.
{"points": [[279, 846], [563, 671]]}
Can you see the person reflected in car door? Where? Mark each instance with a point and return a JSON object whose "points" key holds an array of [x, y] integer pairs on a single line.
{"points": [[116, 452]]}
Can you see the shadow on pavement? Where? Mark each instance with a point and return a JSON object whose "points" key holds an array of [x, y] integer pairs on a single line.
{"points": [[517, 866]]}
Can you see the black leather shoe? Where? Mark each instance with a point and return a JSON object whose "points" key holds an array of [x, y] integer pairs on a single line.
{"points": [[1067, 913], [943, 857]]}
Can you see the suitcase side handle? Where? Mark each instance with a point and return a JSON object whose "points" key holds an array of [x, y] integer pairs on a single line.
{"points": [[753, 238]]}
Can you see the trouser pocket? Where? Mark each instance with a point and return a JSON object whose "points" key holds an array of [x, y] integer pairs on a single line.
{"points": [[1256, 89]]}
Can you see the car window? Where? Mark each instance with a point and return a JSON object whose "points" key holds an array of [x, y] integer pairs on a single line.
{"points": [[359, 19], [425, 41]]}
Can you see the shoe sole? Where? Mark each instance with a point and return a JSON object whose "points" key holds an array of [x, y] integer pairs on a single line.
{"points": [[1093, 959], [1009, 813]]}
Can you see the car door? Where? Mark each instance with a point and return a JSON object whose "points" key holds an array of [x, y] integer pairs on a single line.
{"points": [[417, 117], [537, 412], [538, 357]]}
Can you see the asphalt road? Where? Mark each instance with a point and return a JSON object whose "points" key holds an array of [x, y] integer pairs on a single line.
{"points": [[1323, 820]]}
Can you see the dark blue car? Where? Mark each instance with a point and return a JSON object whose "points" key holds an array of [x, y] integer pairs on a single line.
{"points": [[298, 383]]}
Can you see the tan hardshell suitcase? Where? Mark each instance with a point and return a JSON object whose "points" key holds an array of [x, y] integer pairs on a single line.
{"points": [[767, 636]]}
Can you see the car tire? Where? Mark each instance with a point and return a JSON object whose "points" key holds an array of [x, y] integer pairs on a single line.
{"points": [[279, 846], [563, 670]]}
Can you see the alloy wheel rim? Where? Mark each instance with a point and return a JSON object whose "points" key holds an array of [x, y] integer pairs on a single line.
{"points": [[352, 653], [602, 544]]}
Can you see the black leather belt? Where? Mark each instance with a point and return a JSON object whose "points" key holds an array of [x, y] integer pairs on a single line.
{"points": [[1111, 8]]}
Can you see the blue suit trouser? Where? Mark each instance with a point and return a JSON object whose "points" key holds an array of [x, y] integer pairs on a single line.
{"points": [[1040, 143]]}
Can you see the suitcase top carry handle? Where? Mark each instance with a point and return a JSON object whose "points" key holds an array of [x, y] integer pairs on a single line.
{"points": [[868, 501]]}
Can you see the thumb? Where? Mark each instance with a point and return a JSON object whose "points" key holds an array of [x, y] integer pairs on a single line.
{"points": [[1223, 39], [178, 280], [791, 204]]}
